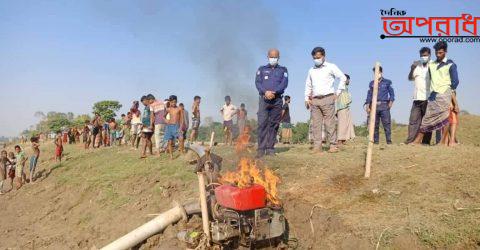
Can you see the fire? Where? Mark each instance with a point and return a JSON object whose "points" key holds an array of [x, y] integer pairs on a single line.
{"points": [[248, 174], [243, 140]]}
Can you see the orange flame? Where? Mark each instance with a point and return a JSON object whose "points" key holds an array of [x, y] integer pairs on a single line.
{"points": [[243, 140], [248, 174]]}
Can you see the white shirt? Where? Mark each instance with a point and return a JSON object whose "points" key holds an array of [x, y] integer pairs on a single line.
{"points": [[136, 119], [421, 79], [228, 112], [320, 80]]}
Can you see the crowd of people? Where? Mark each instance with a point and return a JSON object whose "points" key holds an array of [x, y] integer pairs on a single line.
{"points": [[12, 166], [434, 108]]}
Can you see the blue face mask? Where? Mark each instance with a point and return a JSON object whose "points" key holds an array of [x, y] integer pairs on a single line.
{"points": [[273, 61]]}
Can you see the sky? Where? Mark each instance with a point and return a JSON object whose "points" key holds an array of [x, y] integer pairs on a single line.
{"points": [[66, 55]]}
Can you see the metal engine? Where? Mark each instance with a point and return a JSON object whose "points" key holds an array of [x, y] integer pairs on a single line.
{"points": [[255, 228], [239, 217]]}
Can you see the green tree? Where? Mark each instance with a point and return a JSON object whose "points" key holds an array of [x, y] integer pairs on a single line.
{"points": [[300, 132], [80, 120], [107, 108], [53, 121]]}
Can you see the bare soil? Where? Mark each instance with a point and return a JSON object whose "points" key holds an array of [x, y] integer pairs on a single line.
{"points": [[96, 196]]}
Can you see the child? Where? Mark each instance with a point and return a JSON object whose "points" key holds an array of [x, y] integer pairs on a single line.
{"points": [[453, 121], [286, 133], [112, 127], [175, 119], [228, 111], [147, 125], [10, 171], [20, 165], [195, 118], [106, 133], [96, 130], [184, 127], [77, 134], [71, 135], [127, 126], [86, 134], [34, 158], [136, 124], [4, 164], [65, 135], [241, 118], [59, 148]]}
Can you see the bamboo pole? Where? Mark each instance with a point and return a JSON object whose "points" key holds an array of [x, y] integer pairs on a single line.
{"points": [[203, 205], [203, 196], [371, 122]]}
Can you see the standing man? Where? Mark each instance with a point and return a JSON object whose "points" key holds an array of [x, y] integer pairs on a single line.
{"points": [[157, 107], [271, 81], [136, 124], [385, 99], [195, 118], [320, 98], [444, 81], [184, 126], [96, 129], [345, 128], [420, 77], [228, 111]]}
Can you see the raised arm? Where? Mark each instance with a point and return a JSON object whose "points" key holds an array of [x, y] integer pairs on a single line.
{"points": [[411, 77]]}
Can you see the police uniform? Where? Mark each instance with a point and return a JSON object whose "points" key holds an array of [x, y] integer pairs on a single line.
{"points": [[385, 95], [269, 78]]}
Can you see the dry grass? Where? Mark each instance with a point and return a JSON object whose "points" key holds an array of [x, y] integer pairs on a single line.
{"points": [[96, 196]]}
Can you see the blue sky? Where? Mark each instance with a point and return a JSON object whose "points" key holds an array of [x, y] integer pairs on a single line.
{"points": [[66, 55]]}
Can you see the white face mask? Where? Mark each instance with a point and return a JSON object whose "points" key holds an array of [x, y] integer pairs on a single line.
{"points": [[424, 59], [273, 61], [319, 62]]}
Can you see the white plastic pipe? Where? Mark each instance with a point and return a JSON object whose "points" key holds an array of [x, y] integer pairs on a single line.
{"points": [[148, 229]]}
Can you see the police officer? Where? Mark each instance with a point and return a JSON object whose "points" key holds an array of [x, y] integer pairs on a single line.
{"points": [[271, 81], [385, 99]]}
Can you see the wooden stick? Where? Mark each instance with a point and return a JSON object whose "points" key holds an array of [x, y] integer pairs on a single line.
{"points": [[371, 124], [203, 196], [211, 140], [203, 204]]}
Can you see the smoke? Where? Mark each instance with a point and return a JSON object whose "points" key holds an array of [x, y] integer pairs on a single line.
{"points": [[229, 37], [226, 40]]}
